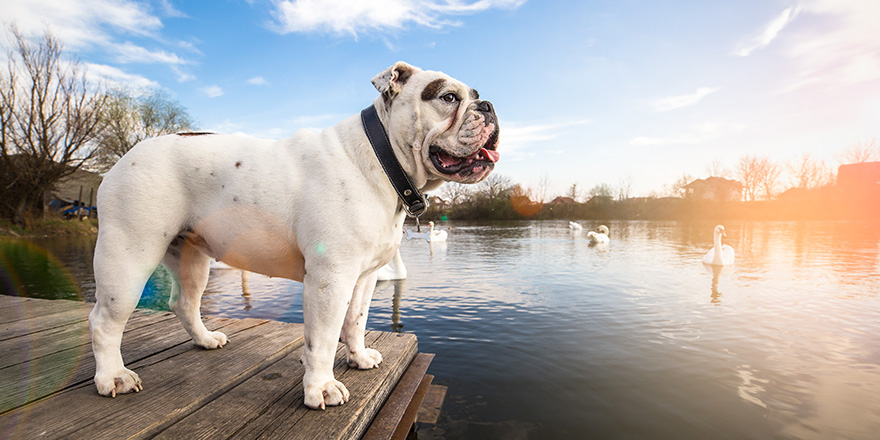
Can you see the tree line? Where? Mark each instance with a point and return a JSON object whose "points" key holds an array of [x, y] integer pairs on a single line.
{"points": [[54, 121], [762, 180]]}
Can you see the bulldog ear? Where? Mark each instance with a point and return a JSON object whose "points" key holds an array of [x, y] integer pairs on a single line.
{"points": [[392, 79]]}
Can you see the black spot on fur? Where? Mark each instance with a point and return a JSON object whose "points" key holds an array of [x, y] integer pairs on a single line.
{"points": [[234, 198], [238, 164], [432, 90], [132, 164]]}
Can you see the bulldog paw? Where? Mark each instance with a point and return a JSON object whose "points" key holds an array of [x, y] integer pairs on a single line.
{"points": [[121, 382], [366, 359], [330, 394], [212, 340]]}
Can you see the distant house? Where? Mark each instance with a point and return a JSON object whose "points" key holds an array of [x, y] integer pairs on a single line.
{"points": [[714, 188], [861, 176], [438, 203], [562, 200]]}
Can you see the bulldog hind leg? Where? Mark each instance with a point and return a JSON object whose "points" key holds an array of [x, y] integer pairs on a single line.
{"points": [[189, 268]]}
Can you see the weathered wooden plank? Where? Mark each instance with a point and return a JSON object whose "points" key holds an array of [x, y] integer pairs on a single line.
{"points": [[288, 418], [8, 300], [274, 392], [40, 323], [408, 420], [175, 387], [429, 411], [30, 346], [158, 338], [393, 411], [46, 322], [27, 308]]}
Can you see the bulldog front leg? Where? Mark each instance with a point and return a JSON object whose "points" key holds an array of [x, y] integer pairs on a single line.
{"points": [[355, 324], [325, 299]]}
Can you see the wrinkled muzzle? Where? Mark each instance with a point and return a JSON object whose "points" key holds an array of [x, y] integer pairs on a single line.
{"points": [[473, 154]]}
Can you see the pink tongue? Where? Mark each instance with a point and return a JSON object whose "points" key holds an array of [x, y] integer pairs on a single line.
{"points": [[492, 155]]}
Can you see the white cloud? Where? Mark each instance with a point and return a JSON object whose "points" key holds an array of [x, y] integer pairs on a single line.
{"points": [[117, 77], [840, 48], [516, 139], [353, 16], [212, 91], [132, 53], [693, 136], [770, 32], [258, 81], [80, 23], [674, 102]]}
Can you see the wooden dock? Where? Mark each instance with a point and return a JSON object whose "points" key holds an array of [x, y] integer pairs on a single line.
{"points": [[249, 389]]}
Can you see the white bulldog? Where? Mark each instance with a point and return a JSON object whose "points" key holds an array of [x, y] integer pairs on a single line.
{"points": [[315, 208]]}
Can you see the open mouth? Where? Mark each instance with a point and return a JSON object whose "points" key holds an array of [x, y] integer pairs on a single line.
{"points": [[449, 164]]}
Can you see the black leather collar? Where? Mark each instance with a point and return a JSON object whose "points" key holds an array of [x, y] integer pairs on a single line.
{"points": [[414, 202]]}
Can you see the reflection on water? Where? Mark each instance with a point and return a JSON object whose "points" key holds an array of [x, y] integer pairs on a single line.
{"points": [[540, 335]]}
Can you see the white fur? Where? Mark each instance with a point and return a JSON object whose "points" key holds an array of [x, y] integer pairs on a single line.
{"points": [[315, 208]]}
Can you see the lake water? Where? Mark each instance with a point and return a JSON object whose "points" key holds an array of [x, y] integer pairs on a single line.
{"points": [[540, 335]]}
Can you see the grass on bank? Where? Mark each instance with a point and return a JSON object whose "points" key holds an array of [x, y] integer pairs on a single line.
{"points": [[49, 226]]}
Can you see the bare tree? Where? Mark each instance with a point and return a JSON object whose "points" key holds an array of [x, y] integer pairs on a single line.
{"points": [[717, 169], [543, 187], [574, 192], [758, 174], [132, 118], [49, 118], [861, 152], [679, 187], [624, 187], [455, 193], [808, 173], [747, 171], [495, 186], [769, 177]]}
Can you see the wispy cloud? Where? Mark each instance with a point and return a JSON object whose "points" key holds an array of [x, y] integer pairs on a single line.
{"points": [[674, 102], [81, 23], [131, 53], [516, 139], [769, 33], [117, 77], [841, 48], [98, 25], [258, 81], [693, 136], [354, 16], [212, 91]]}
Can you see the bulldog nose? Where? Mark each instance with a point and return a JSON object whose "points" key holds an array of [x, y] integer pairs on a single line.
{"points": [[485, 106]]}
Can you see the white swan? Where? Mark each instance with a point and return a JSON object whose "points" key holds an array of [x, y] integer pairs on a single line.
{"points": [[574, 226], [600, 235], [432, 235], [394, 270], [719, 255]]}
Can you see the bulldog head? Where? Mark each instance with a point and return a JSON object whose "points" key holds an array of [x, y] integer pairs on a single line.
{"points": [[439, 127]]}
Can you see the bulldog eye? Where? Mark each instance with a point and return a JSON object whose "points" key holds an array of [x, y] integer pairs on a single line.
{"points": [[449, 98]]}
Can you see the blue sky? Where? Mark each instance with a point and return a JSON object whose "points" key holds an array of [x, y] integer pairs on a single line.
{"points": [[587, 92]]}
